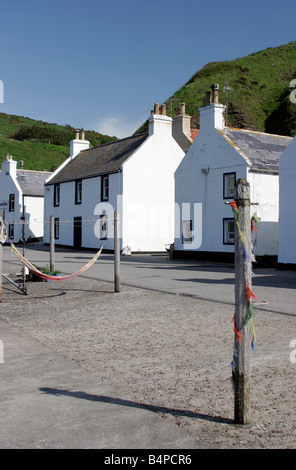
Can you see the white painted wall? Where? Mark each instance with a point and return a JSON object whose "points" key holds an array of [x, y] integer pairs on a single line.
{"points": [[90, 210], [264, 189], [209, 152], [287, 213], [148, 189]]}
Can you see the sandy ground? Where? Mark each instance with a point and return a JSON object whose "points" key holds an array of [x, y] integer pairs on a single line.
{"points": [[172, 352]]}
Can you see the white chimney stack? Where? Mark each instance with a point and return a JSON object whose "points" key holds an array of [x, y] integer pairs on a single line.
{"points": [[212, 115], [159, 122], [78, 145]]}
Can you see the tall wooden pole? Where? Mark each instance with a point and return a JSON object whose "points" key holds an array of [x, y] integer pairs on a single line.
{"points": [[0, 272], [51, 267], [243, 278], [116, 253]]}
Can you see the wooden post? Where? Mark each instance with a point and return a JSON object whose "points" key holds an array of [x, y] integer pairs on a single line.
{"points": [[51, 267], [116, 253], [243, 278], [3, 236], [0, 272]]}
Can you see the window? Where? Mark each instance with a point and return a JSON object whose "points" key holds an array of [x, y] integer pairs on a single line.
{"points": [[228, 231], [103, 227], [11, 231], [228, 185], [11, 202], [56, 229], [78, 192], [187, 231], [56, 195], [105, 188]]}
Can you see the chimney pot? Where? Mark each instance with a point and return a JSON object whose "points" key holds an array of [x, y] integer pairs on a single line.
{"points": [[163, 110], [82, 135], [7, 157], [183, 108], [208, 98], [215, 95], [156, 108], [77, 134]]}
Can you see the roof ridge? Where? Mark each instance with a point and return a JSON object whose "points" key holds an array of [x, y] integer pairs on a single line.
{"points": [[257, 132]]}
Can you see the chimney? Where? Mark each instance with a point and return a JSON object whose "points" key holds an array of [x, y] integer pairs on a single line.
{"points": [[9, 166], [159, 122], [182, 128], [78, 145], [212, 115]]}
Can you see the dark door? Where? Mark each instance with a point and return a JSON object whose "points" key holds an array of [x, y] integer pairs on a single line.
{"points": [[77, 232]]}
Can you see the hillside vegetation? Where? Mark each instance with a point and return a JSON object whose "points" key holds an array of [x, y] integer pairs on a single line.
{"points": [[41, 145], [259, 95]]}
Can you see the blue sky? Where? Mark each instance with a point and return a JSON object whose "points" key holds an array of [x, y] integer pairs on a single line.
{"points": [[101, 65]]}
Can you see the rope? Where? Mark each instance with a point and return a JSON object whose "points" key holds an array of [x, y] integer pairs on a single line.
{"points": [[33, 269]]}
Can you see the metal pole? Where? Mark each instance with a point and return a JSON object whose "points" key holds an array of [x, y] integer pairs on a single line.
{"points": [[51, 267], [243, 328], [116, 253]]}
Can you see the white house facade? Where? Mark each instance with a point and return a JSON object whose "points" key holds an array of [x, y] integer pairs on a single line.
{"points": [[134, 176], [287, 219], [205, 179], [22, 200]]}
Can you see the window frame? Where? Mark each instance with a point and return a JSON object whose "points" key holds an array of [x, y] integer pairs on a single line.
{"points": [[11, 230], [186, 240], [57, 195], [78, 192], [104, 196], [56, 228], [226, 231], [12, 202], [103, 231], [225, 186]]}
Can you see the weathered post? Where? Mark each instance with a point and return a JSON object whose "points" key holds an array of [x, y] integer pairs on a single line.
{"points": [[243, 328], [3, 236], [116, 253], [51, 223]]}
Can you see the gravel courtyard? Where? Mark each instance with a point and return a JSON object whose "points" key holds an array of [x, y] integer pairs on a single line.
{"points": [[171, 352]]}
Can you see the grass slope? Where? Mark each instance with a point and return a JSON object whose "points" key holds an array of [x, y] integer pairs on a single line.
{"points": [[259, 98], [41, 145]]}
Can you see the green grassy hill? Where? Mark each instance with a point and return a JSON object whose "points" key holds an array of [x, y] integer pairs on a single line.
{"points": [[259, 98], [41, 145]]}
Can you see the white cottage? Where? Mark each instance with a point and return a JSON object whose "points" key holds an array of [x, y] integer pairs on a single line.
{"points": [[205, 179], [287, 219], [22, 195], [134, 176]]}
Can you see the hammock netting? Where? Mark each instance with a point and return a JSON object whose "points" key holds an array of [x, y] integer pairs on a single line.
{"points": [[49, 277]]}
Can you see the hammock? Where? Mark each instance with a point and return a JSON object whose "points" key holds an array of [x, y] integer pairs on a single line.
{"points": [[34, 270]]}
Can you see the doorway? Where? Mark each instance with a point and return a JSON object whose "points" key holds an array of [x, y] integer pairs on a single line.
{"points": [[77, 232]]}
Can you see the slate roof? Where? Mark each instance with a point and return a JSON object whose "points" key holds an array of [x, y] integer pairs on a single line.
{"points": [[32, 182], [99, 160], [261, 150]]}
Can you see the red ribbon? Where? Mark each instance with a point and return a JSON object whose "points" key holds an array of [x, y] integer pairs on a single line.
{"points": [[250, 293], [239, 335], [234, 205]]}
